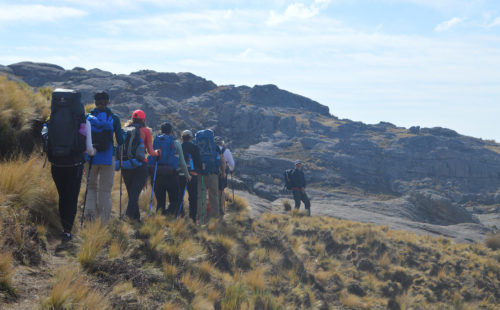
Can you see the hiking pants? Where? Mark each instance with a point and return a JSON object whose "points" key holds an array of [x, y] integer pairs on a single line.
{"points": [[99, 192], [299, 196], [134, 180], [211, 210], [68, 181], [192, 190], [164, 184]]}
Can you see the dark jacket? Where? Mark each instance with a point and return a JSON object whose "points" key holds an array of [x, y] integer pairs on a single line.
{"points": [[190, 148], [298, 178]]}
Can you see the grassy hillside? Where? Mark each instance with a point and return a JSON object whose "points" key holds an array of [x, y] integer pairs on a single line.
{"points": [[276, 261]]}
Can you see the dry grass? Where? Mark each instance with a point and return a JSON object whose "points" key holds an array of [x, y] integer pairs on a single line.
{"points": [[235, 297], [170, 271], [287, 205], [95, 237], [256, 279], [26, 184], [238, 204], [6, 272], [493, 241], [72, 291]]}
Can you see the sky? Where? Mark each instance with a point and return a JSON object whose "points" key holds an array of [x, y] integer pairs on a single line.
{"points": [[409, 62]]}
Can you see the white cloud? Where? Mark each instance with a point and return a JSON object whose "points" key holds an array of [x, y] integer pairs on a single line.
{"points": [[297, 11], [37, 12], [496, 22], [446, 25]]}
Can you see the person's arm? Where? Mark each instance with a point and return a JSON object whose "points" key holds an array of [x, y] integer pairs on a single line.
{"points": [[148, 141], [222, 166], [117, 129], [229, 159], [88, 139], [182, 162]]}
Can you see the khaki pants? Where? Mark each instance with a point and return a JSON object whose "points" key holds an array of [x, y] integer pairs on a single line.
{"points": [[211, 184], [98, 202]]}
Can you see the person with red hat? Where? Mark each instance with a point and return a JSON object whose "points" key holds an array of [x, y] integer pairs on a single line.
{"points": [[136, 178]]}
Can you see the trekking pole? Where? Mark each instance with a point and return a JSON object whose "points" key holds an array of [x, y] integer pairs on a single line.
{"points": [[202, 201], [182, 202], [121, 178], [153, 189], [86, 190], [232, 184]]}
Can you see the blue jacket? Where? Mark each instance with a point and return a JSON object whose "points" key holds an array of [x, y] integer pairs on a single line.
{"points": [[106, 157]]}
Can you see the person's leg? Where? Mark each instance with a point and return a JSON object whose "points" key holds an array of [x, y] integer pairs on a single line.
{"points": [[137, 186], [106, 180], [213, 193], [91, 205], [192, 188], [173, 193], [68, 182], [182, 193], [306, 200], [128, 179], [160, 193], [296, 198], [201, 212]]}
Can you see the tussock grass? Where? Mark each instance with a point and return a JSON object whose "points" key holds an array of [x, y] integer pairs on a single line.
{"points": [[95, 237], [287, 205], [170, 271], [256, 279], [238, 204], [26, 184], [20, 110], [235, 297], [72, 291], [6, 272], [493, 241]]}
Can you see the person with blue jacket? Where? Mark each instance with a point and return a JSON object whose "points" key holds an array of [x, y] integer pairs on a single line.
{"points": [[104, 124]]}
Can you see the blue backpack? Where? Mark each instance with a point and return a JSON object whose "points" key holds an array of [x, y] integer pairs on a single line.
{"points": [[169, 156], [209, 151], [102, 129]]}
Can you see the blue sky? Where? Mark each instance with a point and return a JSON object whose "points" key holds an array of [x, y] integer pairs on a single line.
{"points": [[408, 62]]}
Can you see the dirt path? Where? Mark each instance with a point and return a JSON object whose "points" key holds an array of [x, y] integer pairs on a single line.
{"points": [[33, 284]]}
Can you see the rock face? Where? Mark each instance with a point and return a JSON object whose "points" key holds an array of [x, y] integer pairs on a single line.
{"points": [[435, 169]]}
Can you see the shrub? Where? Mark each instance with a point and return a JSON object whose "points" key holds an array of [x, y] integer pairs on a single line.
{"points": [[493, 241], [287, 205], [6, 272]]}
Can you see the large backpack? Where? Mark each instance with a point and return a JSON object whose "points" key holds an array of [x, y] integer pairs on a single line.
{"points": [[169, 156], [65, 144], [133, 153], [209, 151], [287, 176], [102, 129]]}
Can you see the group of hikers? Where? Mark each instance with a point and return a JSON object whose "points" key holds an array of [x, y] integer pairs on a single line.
{"points": [[199, 165]]}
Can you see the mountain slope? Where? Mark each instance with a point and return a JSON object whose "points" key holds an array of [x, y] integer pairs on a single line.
{"points": [[425, 175]]}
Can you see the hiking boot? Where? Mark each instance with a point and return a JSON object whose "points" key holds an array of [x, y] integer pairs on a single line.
{"points": [[308, 212], [65, 237]]}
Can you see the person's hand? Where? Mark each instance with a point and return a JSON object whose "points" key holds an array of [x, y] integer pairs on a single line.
{"points": [[159, 152], [189, 178]]}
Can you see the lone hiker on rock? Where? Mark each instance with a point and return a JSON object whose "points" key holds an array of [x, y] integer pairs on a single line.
{"points": [[299, 188]]}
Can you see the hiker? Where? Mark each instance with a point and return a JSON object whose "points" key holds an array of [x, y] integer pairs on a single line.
{"points": [[68, 137], [228, 158], [211, 166], [167, 174], [193, 162], [298, 187], [104, 124], [134, 162]]}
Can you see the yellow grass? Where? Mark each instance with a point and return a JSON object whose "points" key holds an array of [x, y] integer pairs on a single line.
{"points": [[256, 279], [169, 270], [235, 297], [72, 291], [95, 237]]}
